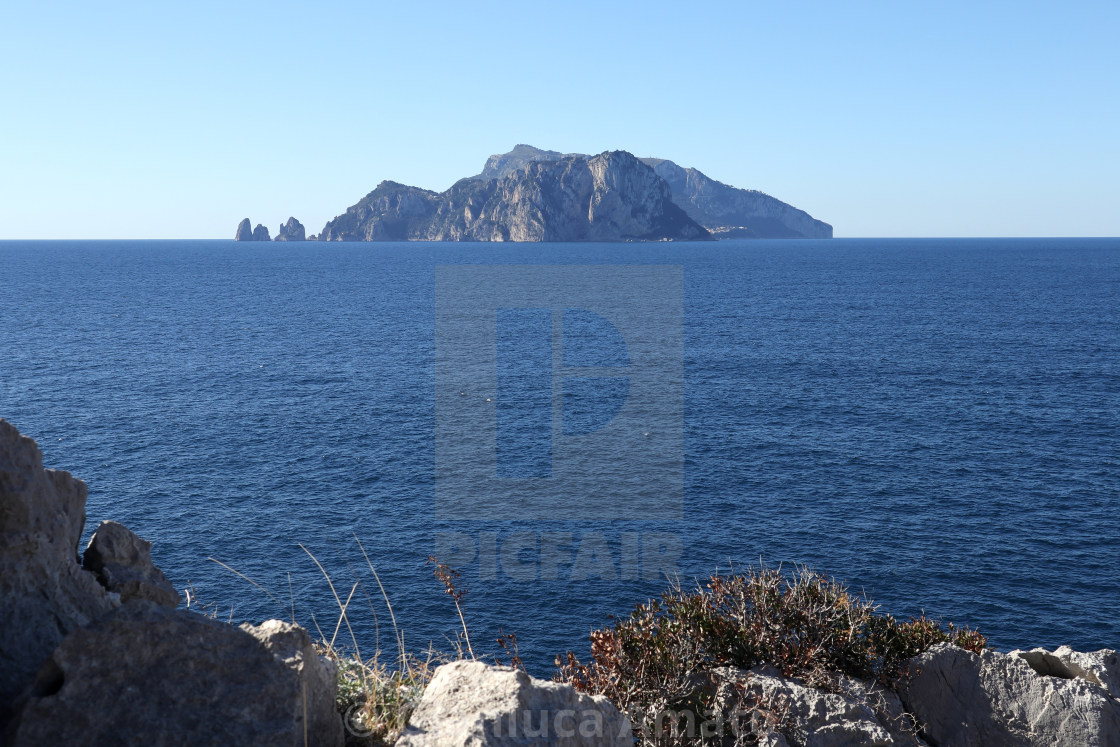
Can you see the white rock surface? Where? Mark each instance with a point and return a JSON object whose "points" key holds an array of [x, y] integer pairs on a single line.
{"points": [[996, 700], [1096, 667], [471, 703]]}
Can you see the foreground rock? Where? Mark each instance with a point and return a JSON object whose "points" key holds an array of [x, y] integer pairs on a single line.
{"points": [[763, 707], [147, 675], [98, 655], [44, 593], [291, 231], [855, 713], [471, 703], [609, 197], [122, 562], [1096, 667], [318, 678], [996, 699]]}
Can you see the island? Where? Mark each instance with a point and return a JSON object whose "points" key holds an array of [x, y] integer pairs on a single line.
{"points": [[529, 194]]}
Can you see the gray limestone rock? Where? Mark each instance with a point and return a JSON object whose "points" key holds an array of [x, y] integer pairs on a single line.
{"points": [[318, 678], [260, 233], [123, 564], [471, 703], [44, 593], [1001, 700], [244, 231], [763, 705], [148, 675]]}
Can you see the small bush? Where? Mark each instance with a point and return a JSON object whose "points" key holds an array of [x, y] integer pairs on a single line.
{"points": [[376, 699], [803, 624]]}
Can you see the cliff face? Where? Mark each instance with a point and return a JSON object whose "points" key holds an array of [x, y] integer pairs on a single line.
{"points": [[727, 212], [388, 213], [609, 197], [530, 194], [736, 213]]}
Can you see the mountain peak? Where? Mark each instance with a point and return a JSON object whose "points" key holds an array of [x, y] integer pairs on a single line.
{"points": [[503, 164]]}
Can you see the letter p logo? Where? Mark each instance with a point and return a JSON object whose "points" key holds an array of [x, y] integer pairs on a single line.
{"points": [[559, 392], [593, 383]]}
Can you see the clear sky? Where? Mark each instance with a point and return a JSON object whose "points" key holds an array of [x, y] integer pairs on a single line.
{"points": [[177, 120]]}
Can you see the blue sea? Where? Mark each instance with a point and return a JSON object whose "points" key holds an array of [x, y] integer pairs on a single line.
{"points": [[935, 422]]}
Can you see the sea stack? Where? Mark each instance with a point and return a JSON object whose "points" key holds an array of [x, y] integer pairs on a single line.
{"points": [[260, 233], [244, 231], [291, 231]]}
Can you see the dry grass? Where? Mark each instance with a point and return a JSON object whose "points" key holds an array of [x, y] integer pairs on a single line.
{"points": [[375, 697]]}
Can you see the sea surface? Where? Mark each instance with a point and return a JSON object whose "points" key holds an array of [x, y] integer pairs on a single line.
{"points": [[935, 422]]}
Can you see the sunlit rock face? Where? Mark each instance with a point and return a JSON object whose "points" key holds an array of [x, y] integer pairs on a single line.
{"points": [[609, 197]]}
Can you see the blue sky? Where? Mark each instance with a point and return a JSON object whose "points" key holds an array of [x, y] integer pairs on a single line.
{"points": [[153, 120]]}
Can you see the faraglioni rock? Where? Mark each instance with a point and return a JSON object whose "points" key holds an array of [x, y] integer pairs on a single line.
{"points": [[291, 231], [260, 233], [244, 231], [609, 197]]}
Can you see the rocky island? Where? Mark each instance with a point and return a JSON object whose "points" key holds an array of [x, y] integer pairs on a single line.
{"points": [[609, 197], [291, 231], [260, 233], [529, 194]]}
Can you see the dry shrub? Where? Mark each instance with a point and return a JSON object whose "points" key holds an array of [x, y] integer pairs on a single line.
{"points": [[806, 625]]}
